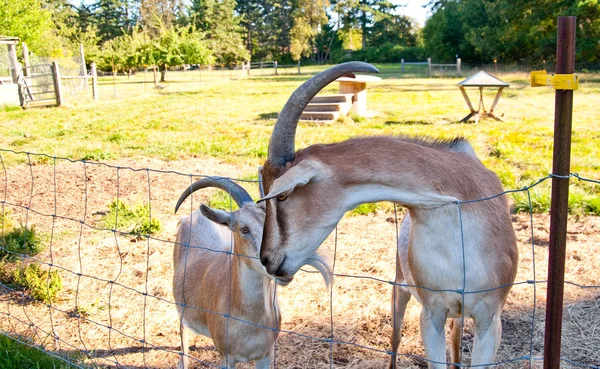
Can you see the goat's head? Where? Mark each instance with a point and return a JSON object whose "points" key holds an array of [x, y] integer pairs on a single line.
{"points": [[290, 237], [246, 224]]}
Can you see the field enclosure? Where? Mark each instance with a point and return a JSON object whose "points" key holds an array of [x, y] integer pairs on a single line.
{"points": [[115, 308]]}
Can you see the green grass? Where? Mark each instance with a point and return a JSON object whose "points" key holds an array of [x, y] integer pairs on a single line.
{"points": [[37, 281], [232, 121], [20, 241], [134, 220], [15, 355]]}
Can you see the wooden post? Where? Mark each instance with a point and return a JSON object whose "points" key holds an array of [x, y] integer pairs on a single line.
{"points": [[12, 57], [95, 81], [458, 62], [428, 67], [275, 66], [298, 67], [21, 88], [56, 78], [402, 63], [559, 204], [83, 66], [25, 60]]}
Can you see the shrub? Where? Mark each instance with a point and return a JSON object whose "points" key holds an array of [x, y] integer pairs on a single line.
{"points": [[21, 240], [41, 284], [5, 220], [133, 220], [36, 281]]}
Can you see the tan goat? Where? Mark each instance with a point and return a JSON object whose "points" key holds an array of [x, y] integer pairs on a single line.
{"points": [[309, 191], [209, 284]]}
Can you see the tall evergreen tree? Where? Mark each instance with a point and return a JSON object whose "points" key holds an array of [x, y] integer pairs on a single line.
{"points": [[218, 21]]}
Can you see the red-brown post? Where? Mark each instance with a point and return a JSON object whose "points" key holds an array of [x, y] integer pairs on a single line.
{"points": [[563, 115]]}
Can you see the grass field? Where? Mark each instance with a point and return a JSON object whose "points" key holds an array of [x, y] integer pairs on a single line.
{"points": [[222, 127], [232, 121]]}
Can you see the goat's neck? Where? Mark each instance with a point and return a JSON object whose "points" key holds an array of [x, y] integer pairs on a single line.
{"points": [[249, 287], [415, 189]]}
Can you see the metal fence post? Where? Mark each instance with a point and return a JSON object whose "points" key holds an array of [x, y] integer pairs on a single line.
{"points": [[298, 67], [56, 78], [402, 64], [563, 115], [428, 67], [95, 81], [275, 66], [458, 62]]}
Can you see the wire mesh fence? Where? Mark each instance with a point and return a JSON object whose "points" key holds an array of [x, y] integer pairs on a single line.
{"points": [[101, 237], [139, 83]]}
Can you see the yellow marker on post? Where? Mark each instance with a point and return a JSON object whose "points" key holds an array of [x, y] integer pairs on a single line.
{"points": [[539, 78]]}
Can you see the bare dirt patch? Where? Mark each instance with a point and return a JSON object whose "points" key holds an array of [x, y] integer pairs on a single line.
{"points": [[119, 311]]}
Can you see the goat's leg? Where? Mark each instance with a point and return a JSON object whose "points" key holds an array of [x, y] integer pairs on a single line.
{"points": [[400, 298], [226, 362], [488, 331], [456, 331], [184, 360], [434, 337], [263, 363]]}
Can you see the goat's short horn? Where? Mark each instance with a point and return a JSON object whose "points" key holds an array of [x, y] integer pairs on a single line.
{"points": [[237, 192], [281, 145]]}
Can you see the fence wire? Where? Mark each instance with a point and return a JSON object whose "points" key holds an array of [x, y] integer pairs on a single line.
{"points": [[114, 312]]}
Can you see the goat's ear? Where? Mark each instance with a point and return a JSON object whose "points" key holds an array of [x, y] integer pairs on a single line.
{"points": [[221, 217], [298, 175]]}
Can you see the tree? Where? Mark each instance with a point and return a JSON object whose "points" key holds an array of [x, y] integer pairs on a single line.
{"points": [[309, 17], [154, 15], [217, 20], [524, 32], [110, 18], [177, 46], [17, 19]]}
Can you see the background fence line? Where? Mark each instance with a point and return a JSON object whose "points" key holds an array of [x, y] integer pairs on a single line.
{"points": [[15, 297]]}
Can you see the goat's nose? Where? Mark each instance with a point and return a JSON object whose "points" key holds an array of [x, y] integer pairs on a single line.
{"points": [[264, 260]]}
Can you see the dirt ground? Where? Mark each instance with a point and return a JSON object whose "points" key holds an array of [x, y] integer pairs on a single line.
{"points": [[133, 323]]}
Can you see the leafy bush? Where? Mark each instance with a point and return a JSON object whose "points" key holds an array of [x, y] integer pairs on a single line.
{"points": [[21, 240], [5, 220], [42, 285], [133, 220], [365, 209], [36, 281]]}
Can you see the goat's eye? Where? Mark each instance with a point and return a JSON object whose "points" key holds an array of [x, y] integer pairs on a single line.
{"points": [[245, 230], [282, 196]]}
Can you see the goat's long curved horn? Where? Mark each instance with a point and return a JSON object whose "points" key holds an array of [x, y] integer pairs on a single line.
{"points": [[281, 145], [238, 193]]}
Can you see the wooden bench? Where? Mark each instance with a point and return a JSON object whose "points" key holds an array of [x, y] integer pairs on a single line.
{"points": [[357, 86]]}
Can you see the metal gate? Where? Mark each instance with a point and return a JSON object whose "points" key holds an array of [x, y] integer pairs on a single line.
{"points": [[39, 85]]}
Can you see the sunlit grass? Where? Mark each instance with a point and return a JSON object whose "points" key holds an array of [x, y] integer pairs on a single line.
{"points": [[233, 120]]}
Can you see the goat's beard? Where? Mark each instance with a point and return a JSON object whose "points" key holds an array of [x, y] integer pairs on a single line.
{"points": [[321, 264]]}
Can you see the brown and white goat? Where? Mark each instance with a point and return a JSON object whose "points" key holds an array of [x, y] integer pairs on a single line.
{"points": [[308, 192], [210, 284]]}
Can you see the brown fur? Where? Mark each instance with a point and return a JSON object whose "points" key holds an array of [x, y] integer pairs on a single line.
{"points": [[415, 168]]}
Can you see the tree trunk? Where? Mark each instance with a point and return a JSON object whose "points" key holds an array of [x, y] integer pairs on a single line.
{"points": [[363, 24], [163, 73]]}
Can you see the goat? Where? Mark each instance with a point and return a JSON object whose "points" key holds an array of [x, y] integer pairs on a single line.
{"points": [[209, 284], [308, 192]]}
